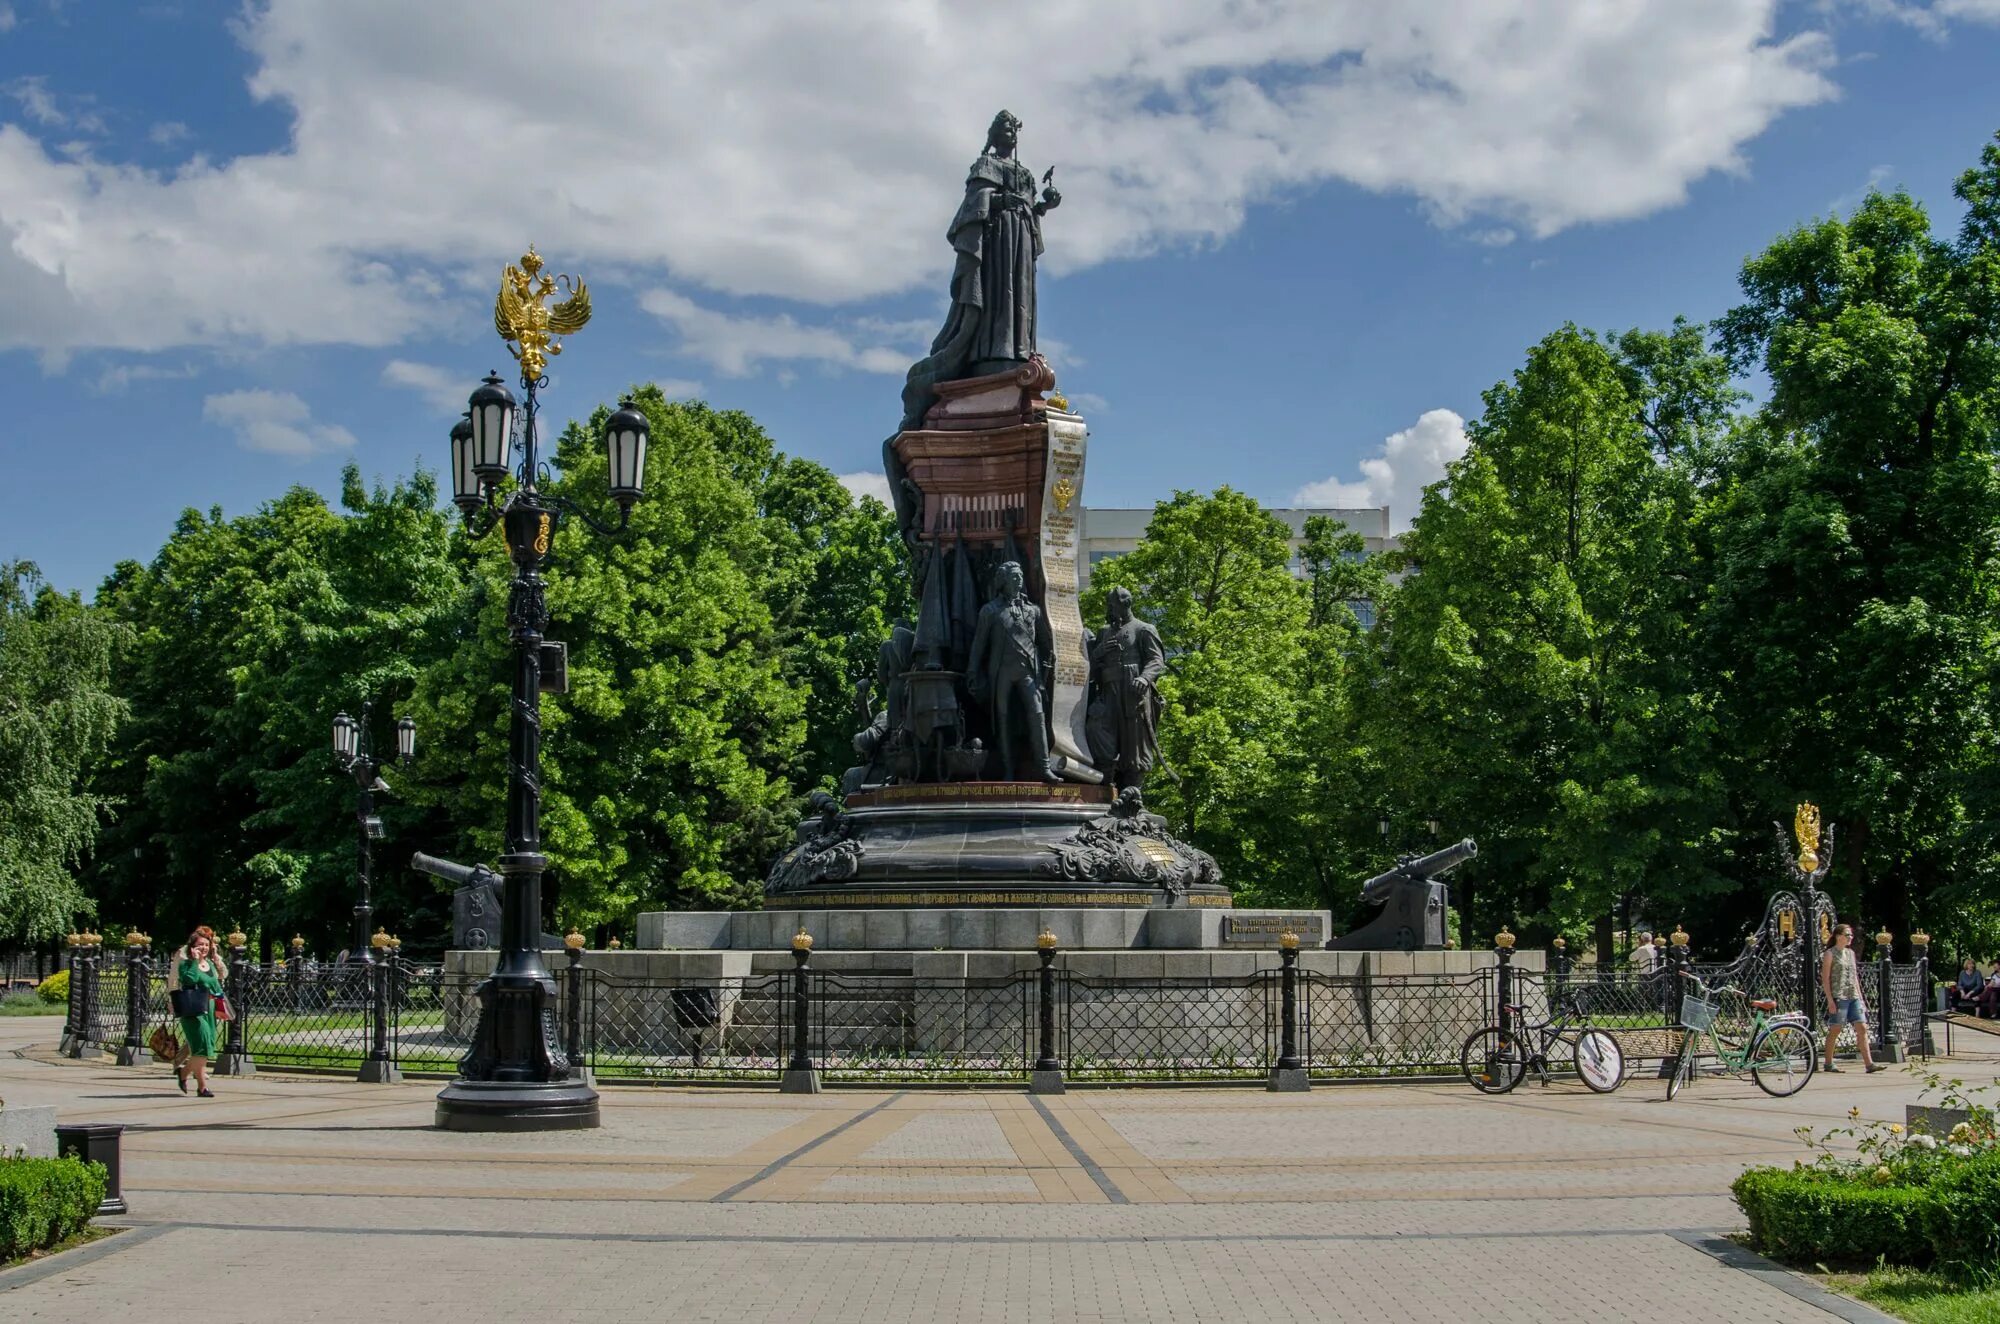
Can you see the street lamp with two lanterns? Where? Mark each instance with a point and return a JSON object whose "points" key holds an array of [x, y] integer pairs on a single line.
{"points": [[516, 1076]]}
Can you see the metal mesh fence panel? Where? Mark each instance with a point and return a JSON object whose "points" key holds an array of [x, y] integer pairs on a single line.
{"points": [[892, 1027], [639, 1030], [1371, 1026], [306, 1013], [1218, 1028], [1907, 995]]}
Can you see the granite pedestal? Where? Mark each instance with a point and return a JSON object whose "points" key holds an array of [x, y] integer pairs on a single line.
{"points": [[1010, 928]]}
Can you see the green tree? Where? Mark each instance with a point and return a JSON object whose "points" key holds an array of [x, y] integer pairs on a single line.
{"points": [[1211, 574], [1535, 689], [247, 636], [1852, 626], [667, 766], [1330, 790], [57, 716]]}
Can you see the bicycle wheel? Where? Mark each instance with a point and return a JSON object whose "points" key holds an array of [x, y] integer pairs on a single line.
{"points": [[1493, 1060], [1782, 1059], [1683, 1068], [1599, 1061]]}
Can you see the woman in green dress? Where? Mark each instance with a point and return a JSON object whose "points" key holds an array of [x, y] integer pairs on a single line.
{"points": [[200, 968]]}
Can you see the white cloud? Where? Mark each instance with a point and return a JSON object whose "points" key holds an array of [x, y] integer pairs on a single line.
{"points": [[114, 379], [738, 345], [442, 389], [868, 482], [1410, 461], [7, 19], [167, 132], [276, 422], [37, 102], [1932, 17], [679, 388], [812, 152]]}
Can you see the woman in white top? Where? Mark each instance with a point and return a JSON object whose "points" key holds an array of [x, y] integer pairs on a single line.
{"points": [[1840, 984]]}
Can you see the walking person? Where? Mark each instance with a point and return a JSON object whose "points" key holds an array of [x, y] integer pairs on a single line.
{"points": [[200, 974], [1840, 984]]}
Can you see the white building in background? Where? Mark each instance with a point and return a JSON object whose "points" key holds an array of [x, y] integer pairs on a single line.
{"points": [[1115, 531]]}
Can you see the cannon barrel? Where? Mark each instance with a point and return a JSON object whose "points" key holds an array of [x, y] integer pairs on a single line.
{"points": [[459, 875], [1417, 869]]}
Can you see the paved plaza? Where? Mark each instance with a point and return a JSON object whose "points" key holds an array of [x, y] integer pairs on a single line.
{"points": [[300, 1197]]}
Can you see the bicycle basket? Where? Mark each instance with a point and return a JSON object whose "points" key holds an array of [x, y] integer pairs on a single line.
{"points": [[1697, 1013]]}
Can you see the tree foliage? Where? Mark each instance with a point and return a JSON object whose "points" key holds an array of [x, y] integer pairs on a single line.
{"points": [[1852, 621], [57, 716]]}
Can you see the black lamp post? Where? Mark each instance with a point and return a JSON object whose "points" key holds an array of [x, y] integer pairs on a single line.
{"points": [[516, 1076], [354, 751]]}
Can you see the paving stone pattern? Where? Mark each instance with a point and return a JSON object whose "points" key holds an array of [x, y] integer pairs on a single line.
{"points": [[298, 1197]]}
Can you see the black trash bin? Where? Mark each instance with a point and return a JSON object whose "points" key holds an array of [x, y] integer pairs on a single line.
{"points": [[96, 1142]]}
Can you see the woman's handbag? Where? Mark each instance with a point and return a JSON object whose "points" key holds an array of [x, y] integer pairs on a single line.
{"points": [[165, 1047], [190, 1002], [222, 1012]]}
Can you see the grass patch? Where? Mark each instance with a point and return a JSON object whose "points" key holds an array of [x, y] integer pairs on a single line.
{"points": [[81, 1237], [29, 1004], [1921, 1298]]}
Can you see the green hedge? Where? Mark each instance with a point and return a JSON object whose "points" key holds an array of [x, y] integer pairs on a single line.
{"points": [[1814, 1216], [55, 988], [1963, 1219], [42, 1201]]}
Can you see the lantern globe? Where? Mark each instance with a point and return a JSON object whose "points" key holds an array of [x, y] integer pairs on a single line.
{"points": [[344, 735], [466, 484], [491, 408], [406, 738], [626, 434]]}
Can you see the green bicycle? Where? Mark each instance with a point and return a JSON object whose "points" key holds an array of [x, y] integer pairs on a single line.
{"points": [[1777, 1051]]}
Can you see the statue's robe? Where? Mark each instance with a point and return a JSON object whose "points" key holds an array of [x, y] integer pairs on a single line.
{"points": [[1123, 720], [991, 326]]}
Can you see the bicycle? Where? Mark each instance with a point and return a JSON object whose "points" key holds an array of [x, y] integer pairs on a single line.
{"points": [[1499, 1057], [1777, 1052]]}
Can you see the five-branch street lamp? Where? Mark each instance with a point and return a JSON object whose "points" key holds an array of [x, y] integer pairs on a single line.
{"points": [[516, 1076], [354, 751]]}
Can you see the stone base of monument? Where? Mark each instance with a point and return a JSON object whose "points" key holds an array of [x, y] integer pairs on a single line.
{"points": [[133, 1055], [799, 1080], [1046, 1082], [1288, 1080], [235, 1064], [989, 845], [1011, 928], [375, 1072]]}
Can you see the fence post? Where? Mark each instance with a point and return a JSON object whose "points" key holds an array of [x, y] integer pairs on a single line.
{"points": [[1920, 949], [1503, 984], [72, 1040], [297, 970], [1560, 985], [579, 1066], [1674, 970], [378, 1067], [1047, 1076], [800, 1077], [1890, 1048], [235, 1059], [93, 983], [138, 992], [1289, 1076]]}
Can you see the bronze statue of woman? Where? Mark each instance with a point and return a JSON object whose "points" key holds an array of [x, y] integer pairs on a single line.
{"points": [[997, 235]]}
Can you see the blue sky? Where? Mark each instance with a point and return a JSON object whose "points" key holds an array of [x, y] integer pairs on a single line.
{"points": [[244, 247]]}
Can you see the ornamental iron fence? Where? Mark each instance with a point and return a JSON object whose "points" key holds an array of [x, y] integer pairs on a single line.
{"points": [[419, 1015]]}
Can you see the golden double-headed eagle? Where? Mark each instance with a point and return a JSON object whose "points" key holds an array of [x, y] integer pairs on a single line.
{"points": [[523, 317], [1805, 826]]}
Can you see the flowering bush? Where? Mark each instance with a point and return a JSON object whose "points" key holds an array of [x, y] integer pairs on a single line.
{"points": [[1875, 1191]]}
